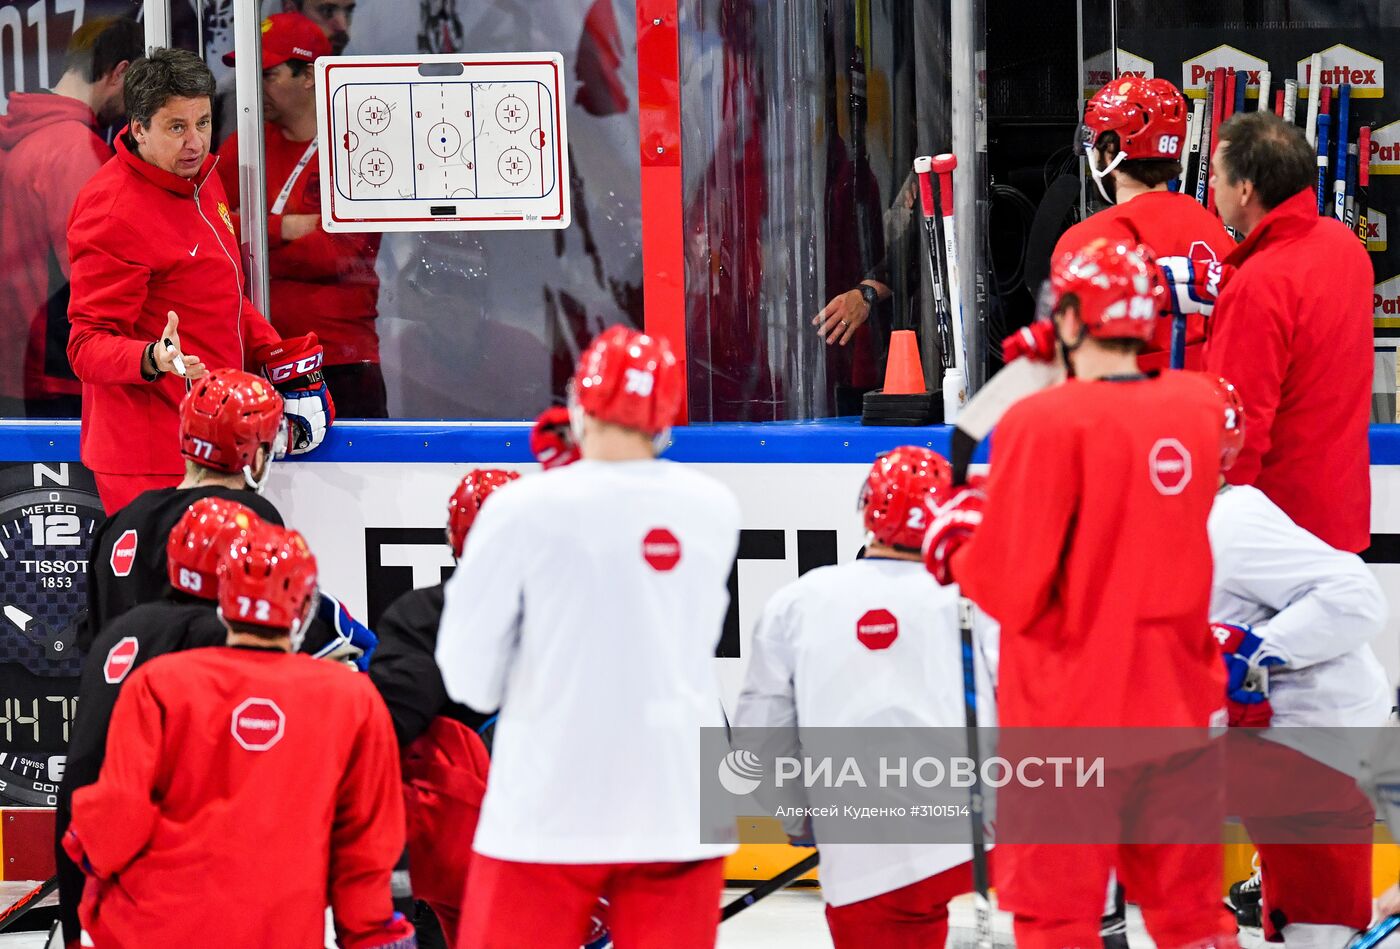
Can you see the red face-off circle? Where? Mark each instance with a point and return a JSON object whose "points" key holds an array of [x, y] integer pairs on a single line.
{"points": [[120, 660], [124, 554], [661, 550], [877, 629], [1169, 466], [258, 724]]}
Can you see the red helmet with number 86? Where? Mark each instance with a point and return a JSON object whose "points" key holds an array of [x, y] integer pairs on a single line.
{"points": [[1149, 116], [267, 579], [629, 379], [226, 416], [466, 501], [896, 494], [1117, 285], [203, 533]]}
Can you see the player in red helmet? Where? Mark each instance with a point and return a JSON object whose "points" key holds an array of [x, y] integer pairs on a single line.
{"points": [[1089, 546], [1134, 133], [1294, 618], [276, 773], [834, 649], [587, 605], [552, 439]]}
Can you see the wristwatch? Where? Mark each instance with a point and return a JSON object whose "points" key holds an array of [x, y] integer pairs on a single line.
{"points": [[869, 294]]}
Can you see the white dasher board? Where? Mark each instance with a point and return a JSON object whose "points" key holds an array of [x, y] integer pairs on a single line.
{"points": [[450, 142]]}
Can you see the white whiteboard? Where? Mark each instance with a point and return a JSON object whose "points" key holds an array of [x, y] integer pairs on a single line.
{"points": [[450, 142]]}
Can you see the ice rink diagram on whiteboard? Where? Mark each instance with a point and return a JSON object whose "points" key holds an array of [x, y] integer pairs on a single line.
{"points": [[482, 148]]}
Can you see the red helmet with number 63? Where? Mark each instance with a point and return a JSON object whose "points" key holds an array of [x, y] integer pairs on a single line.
{"points": [[629, 379], [1118, 287], [267, 579], [1232, 435], [226, 416], [466, 501], [203, 533], [894, 499], [1149, 116]]}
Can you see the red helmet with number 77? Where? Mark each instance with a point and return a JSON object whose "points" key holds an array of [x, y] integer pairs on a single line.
{"points": [[1149, 116], [226, 416], [1232, 435], [203, 533], [474, 488], [1117, 287], [629, 379], [895, 498], [267, 579]]}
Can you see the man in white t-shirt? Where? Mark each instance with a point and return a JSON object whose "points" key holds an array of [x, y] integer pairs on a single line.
{"points": [[588, 607], [875, 643]]}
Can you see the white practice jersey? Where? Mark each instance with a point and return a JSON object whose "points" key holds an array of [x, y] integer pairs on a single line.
{"points": [[1315, 607], [587, 606], [870, 643]]}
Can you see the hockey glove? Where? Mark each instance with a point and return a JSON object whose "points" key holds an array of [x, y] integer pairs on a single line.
{"points": [[552, 439], [598, 934], [1192, 285], [354, 642], [1035, 342], [1247, 662], [953, 524], [294, 367]]}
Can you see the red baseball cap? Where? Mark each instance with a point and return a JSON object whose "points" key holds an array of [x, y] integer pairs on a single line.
{"points": [[289, 36]]}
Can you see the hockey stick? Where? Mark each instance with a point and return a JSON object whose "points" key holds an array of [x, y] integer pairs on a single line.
{"points": [[1363, 185], [769, 887], [1290, 101], [1266, 79], [1314, 84], [1193, 140], [1349, 189], [1279, 96], [1376, 934], [1218, 93], [1339, 169], [981, 881], [1227, 108], [923, 167], [1324, 122], [27, 902], [943, 166], [1207, 123]]}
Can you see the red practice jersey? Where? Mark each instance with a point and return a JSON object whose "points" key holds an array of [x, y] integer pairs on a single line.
{"points": [[1094, 556], [1171, 225], [243, 790]]}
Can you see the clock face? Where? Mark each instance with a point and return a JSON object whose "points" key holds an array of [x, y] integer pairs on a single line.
{"points": [[48, 513]]}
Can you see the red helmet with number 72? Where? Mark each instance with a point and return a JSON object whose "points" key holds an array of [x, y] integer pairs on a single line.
{"points": [[203, 533], [1149, 116], [1117, 285], [226, 416], [897, 492], [629, 379], [466, 501], [267, 579], [1232, 435]]}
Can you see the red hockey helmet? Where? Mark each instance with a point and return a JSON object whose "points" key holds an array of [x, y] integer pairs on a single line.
{"points": [[1232, 436], [203, 533], [552, 440], [1149, 116], [894, 499], [466, 501], [267, 578], [226, 416], [1118, 285], [629, 379]]}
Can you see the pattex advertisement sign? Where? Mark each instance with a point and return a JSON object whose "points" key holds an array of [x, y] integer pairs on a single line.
{"points": [[1343, 65], [1099, 71], [1194, 71]]}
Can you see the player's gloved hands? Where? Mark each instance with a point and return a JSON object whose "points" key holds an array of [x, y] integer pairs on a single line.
{"points": [[354, 641], [1247, 661], [1035, 342], [294, 367], [1192, 285], [953, 524], [552, 439], [598, 935]]}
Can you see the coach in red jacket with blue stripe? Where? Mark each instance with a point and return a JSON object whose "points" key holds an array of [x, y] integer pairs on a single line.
{"points": [[1292, 330], [157, 289]]}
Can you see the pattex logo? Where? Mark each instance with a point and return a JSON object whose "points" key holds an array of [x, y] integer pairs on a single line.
{"points": [[1099, 72], [1194, 72], [1344, 66], [1385, 150]]}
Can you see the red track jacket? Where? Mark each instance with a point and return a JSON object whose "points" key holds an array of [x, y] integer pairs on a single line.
{"points": [[1171, 225], [1094, 557], [1292, 330], [143, 242], [243, 790], [48, 151]]}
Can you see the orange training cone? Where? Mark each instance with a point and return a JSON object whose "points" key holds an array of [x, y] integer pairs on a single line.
{"points": [[904, 372]]}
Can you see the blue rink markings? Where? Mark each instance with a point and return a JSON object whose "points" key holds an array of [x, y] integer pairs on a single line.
{"points": [[829, 441]]}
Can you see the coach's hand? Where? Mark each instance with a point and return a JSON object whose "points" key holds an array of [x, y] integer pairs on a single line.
{"points": [[165, 357]]}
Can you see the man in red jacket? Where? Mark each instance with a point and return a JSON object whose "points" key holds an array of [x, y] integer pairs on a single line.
{"points": [[157, 289], [1292, 330], [320, 283], [1099, 629], [1134, 131], [245, 788], [49, 148]]}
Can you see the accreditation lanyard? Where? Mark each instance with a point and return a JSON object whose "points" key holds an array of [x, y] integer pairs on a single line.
{"points": [[286, 192]]}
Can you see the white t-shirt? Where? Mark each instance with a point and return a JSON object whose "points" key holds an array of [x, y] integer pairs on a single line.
{"points": [[1316, 608], [587, 606], [824, 655]]}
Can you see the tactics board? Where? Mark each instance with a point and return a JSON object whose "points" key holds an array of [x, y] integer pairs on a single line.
{"points": [[447, 142]]}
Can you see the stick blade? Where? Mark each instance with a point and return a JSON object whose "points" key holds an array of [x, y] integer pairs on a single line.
{"points": [[1020, 378]]}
